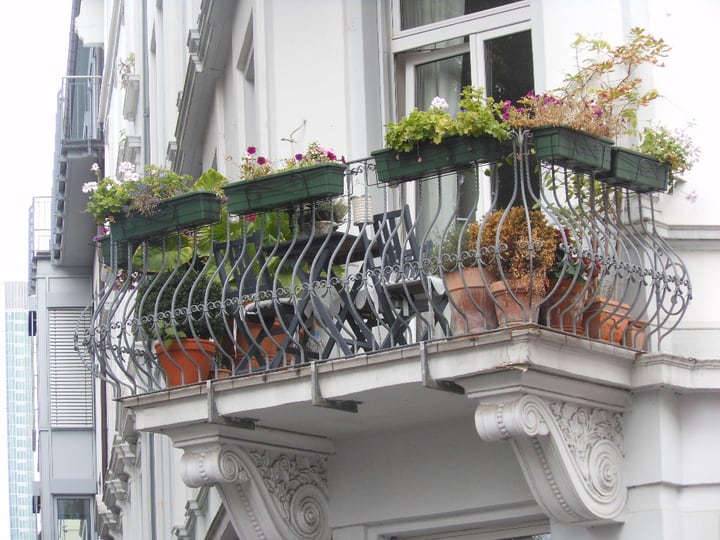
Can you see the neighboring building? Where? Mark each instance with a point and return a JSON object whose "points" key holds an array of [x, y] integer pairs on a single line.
{"points": [[402, 428], [61, 289], [19, 358]]}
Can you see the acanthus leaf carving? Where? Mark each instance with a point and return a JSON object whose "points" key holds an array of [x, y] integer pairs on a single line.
{"points": [[571, 454]]}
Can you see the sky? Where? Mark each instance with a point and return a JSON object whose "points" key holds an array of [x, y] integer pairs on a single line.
{"points": [[35, 41]]}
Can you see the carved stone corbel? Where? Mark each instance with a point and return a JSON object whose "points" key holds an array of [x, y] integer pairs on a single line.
{"points": [[267, 494], [570, 454]]}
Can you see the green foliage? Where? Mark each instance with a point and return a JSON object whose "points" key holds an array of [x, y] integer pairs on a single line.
{"points": [[419, 126], [171, 295], [132, 194], [458, 247], [605, 93], [672, 147], [479, 115]]}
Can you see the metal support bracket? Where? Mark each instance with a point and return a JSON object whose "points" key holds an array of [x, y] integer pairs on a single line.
{"points": [[214, 417], [429, 382], [318, 400]]}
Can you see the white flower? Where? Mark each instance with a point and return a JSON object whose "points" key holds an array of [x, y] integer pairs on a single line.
{"points": [[439, 103], [89, 187], [127, 171]]}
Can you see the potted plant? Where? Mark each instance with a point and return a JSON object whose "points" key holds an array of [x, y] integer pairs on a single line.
{"points": [[428, 143], [161, 201], [185, 337], [607, 319], [520, 249], [653, 165], [570, 282], [466, 280], [575, 126], [316, 174]]}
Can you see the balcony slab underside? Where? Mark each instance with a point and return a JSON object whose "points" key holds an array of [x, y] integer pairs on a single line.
{"points": [[396, 388]]}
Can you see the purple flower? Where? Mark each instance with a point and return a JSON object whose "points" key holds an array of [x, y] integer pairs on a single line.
{"points": [[299, 157], [261, 160], [331, 156], [251, 150]]}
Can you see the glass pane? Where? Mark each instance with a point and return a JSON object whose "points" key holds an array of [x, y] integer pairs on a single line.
{"points": [[509, 75], [445, 78], [509, 66], [414, 13], [73, 517]]}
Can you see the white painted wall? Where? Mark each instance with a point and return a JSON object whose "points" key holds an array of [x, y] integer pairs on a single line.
{"points": [[319, 63]]}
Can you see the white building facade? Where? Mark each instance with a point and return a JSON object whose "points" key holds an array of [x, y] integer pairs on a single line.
{"points": [[522, 433]]}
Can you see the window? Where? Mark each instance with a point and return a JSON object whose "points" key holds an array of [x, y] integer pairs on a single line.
{"points": [[414, 13], [246, 66], [486, 44], [73, 519]]}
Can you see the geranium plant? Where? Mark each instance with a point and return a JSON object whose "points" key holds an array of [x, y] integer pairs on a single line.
{"points": [[131, 193], [314, 155], [253, 165], [478, 115]]}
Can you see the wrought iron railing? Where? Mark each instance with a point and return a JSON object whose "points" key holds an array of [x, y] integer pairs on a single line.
{"points": [[411, 262]]}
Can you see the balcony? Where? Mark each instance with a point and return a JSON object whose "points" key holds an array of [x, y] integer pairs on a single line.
{"points": [[277, 290], [79, 145], [397, 316]]}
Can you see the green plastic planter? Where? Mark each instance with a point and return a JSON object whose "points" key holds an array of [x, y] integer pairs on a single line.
{"points": [[121, 251], [433, 159], [186, 211], [285, 189], [636, 171], [572, 149]]}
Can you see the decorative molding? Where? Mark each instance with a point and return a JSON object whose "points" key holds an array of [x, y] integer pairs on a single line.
{"points": [[194, 509], [571, 454], [267, 494]]}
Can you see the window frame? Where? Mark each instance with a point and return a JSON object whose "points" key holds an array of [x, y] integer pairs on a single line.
{"points": [[407, 54], [502, 18]]}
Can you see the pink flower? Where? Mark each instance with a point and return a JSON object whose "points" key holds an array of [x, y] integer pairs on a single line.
{"points": [[261, 160], [251, 150]]}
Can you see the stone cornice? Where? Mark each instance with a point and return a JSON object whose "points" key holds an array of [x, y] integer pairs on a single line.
{"points": [[681, 374]]}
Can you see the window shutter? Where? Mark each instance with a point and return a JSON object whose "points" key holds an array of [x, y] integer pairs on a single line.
{"points": [[71, 383]]}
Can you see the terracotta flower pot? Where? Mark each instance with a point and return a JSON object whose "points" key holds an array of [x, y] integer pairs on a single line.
{"points": [[514, 307], [187, 364], [564, 306], [472, 308], [635, 335], [606, 319]]}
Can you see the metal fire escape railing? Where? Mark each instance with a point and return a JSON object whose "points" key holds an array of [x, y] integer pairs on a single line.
{"points": [[425, 260], [80, 101]]}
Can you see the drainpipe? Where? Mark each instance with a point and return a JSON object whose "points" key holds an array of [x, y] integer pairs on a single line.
{"points": [[146, 160], [146, 86]]}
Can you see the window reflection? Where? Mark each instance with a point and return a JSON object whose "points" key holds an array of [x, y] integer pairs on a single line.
{"points": [[73, 519]]}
